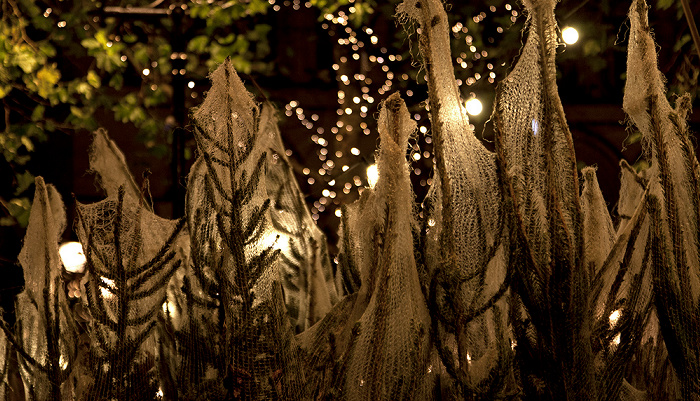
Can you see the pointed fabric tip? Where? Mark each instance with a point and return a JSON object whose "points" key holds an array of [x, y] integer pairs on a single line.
{"points": [[674, 174], [534, 142], [47, 222], [236, 249], [598, 230], [227, 100], [40, 316], [643, 75], [395, 122], [395, 126], [672, 202], [392, 328], [109, 163]]}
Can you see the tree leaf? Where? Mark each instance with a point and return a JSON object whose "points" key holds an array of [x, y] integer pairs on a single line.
{"points": [[93, 79]]}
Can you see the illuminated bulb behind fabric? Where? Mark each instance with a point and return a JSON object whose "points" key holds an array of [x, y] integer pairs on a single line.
{"points": [[72, 257], [372, 175]]}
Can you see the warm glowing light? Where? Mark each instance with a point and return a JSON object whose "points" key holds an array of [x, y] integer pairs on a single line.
{"points": [[355, 151], [614, 317], [616, 340], [146, 71], [372, 175], [570, 35], [106, 293], [474, 106], [72, 257], [168, 307]]}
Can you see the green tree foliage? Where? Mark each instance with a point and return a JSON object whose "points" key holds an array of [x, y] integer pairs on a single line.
{"points": [[60, 63]]}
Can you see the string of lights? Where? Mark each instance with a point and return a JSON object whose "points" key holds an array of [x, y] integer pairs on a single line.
{"points": [[376, 71], [367, 68]]}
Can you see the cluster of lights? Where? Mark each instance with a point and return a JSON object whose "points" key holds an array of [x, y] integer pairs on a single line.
{"points": [[337, 24], [340, 157], [364, 50], [356, 97]]}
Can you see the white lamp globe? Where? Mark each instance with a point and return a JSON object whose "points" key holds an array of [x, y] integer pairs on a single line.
{"points": [[72, 257], [474, 106], [569, 35]]}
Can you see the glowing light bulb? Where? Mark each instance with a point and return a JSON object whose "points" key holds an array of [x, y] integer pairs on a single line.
{"points": [[570, 35], [614, 317], [372, 175], [474, 106], [72, 257]]}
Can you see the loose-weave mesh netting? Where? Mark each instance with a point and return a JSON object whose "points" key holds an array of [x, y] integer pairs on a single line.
{"points": [[514, 285], [464, 253], [48, 336], [385, 342]]}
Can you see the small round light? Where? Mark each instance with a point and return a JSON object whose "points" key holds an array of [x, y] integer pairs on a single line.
{"points": [[570, 35], [474, 106]]}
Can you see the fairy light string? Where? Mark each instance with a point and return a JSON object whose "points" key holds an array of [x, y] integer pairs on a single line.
{"points": [[366, 72], [367, 68]]}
